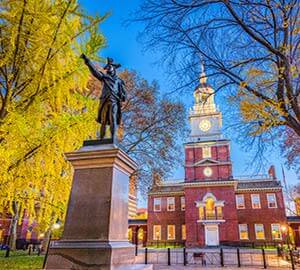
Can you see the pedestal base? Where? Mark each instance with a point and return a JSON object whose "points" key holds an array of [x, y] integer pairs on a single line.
{"points": [[91, 255]]}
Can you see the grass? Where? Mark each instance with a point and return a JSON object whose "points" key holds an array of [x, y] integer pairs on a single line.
{"points": [[20, 260]]}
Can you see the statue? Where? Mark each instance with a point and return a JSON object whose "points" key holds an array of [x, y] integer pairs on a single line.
{"points": [[113, 93]]}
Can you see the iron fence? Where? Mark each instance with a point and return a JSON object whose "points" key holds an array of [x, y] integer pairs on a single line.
{"points": [[234, 257]]}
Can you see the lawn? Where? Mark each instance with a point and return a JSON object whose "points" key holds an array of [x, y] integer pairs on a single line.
{"points": [[20, 260]]}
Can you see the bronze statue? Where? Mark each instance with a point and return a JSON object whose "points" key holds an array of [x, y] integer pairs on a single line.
{"points": [[113, 93]]}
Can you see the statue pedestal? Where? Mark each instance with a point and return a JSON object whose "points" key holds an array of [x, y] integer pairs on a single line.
{"points": [[95, 232]]}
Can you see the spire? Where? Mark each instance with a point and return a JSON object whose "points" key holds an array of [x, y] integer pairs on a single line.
{"points": [[203, 77]]}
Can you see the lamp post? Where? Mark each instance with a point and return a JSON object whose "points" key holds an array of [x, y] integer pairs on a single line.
{"points": [[55, 226]]}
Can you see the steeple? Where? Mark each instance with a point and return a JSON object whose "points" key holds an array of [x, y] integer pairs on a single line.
{"points": [[205, 119]]}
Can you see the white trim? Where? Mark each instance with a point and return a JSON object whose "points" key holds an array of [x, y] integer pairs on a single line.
{"points": [[252, 196], [154, 210], [154, 235], [168, 204], [168, 232], [274, 194], [255, 229], [246, 230], [236, 201]]}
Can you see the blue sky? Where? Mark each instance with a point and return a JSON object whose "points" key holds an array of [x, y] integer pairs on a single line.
{"points": [[123, 46]]}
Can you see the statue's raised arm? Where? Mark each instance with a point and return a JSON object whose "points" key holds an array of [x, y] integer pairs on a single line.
{"points": [[112, 95], [96, 73]]}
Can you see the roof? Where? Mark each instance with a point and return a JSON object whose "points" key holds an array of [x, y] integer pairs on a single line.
{"points": [[291, 219], [258, 184], [241, 185]]}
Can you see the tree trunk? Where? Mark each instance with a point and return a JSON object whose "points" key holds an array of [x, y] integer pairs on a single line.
{"points": [[13, 227]]}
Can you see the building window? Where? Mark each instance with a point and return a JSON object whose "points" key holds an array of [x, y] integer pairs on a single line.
{"points": [[206, 152], [156, 232], [259, 231], [171, 204], [219, 212], [210, 209], [276, 234], [255, 201], [171, 232], [243, 229], [201, 213], [272, 203], [240, 201], [183, 232], [157, 204], [182, 201]]}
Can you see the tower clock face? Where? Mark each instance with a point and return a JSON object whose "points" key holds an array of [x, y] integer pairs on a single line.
{"points": [[207, 171], [205, 125]]}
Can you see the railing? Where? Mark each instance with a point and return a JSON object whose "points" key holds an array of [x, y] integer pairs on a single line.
{"points": [[257, 258]]}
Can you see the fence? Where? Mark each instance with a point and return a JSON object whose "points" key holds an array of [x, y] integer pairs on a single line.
{"points": [[258, 258]]}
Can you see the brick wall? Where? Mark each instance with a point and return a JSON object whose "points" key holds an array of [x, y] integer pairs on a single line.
{"points": [[165, 217], [264, 215], [228, 231]]}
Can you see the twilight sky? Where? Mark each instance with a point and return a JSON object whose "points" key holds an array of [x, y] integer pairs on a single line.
{"points": [[123, 46]]}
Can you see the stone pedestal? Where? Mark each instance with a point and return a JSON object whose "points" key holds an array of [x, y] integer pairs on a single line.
{"points": [[95, 232]]}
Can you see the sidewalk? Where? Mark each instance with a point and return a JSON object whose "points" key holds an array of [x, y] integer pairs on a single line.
{"points": [[176, 267]]}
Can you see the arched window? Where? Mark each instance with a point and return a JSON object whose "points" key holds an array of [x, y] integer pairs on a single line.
{"points": [[210, 208]]}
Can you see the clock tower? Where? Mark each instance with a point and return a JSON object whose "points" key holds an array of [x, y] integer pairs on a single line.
{"points": [[207, 152]]}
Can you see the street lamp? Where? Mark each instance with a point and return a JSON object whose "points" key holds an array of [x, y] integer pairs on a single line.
{"points": [[55, 226]]}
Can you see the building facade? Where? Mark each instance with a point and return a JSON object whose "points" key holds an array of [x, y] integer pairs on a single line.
{"points": [[211, 207]]}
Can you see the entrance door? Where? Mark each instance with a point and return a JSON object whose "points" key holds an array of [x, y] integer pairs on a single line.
{"points": [[211, 235]]}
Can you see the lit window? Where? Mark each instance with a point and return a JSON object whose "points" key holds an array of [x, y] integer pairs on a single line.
{"points": [[272, 203], [156, 232], [243, 229], [182, 201], [219, 212], [276, 234], [157, 204], [210, 209], [255, 201], [171, 204], [201, 213], [171, 232], [240, 201], [183, 232], [259, 231], [206, 152]]}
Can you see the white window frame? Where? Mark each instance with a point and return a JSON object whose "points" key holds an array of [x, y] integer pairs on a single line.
{"points": [[168, 199], [255, 228], [236, 201], [272, 194], [252, 196], [168, 230], [206, 152], [154, 203], [240, 226], [277, 225], [154, 234], [182, 203]]}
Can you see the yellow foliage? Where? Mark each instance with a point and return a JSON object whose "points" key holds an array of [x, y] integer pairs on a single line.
{"points": [[46, 113]]}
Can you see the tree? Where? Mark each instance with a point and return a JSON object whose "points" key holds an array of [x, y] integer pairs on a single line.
{"points": [[43, 112], [152, 127], [250, 47]]}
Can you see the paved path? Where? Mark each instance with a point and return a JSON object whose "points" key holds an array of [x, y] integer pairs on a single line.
{"points": [[173, 267]]}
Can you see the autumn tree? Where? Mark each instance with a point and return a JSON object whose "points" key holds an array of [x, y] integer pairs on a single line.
{"points": [[250, 48], [152, 127], [43, 112]]}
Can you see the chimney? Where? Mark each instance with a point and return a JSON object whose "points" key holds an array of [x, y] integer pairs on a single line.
{"points": [[156, 179], [272, 172]]}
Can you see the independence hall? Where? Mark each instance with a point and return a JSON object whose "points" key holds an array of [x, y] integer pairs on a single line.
{"points": [[210, 206]]}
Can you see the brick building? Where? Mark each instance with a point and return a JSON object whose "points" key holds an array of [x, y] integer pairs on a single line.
{"points": [[211, 207]]}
